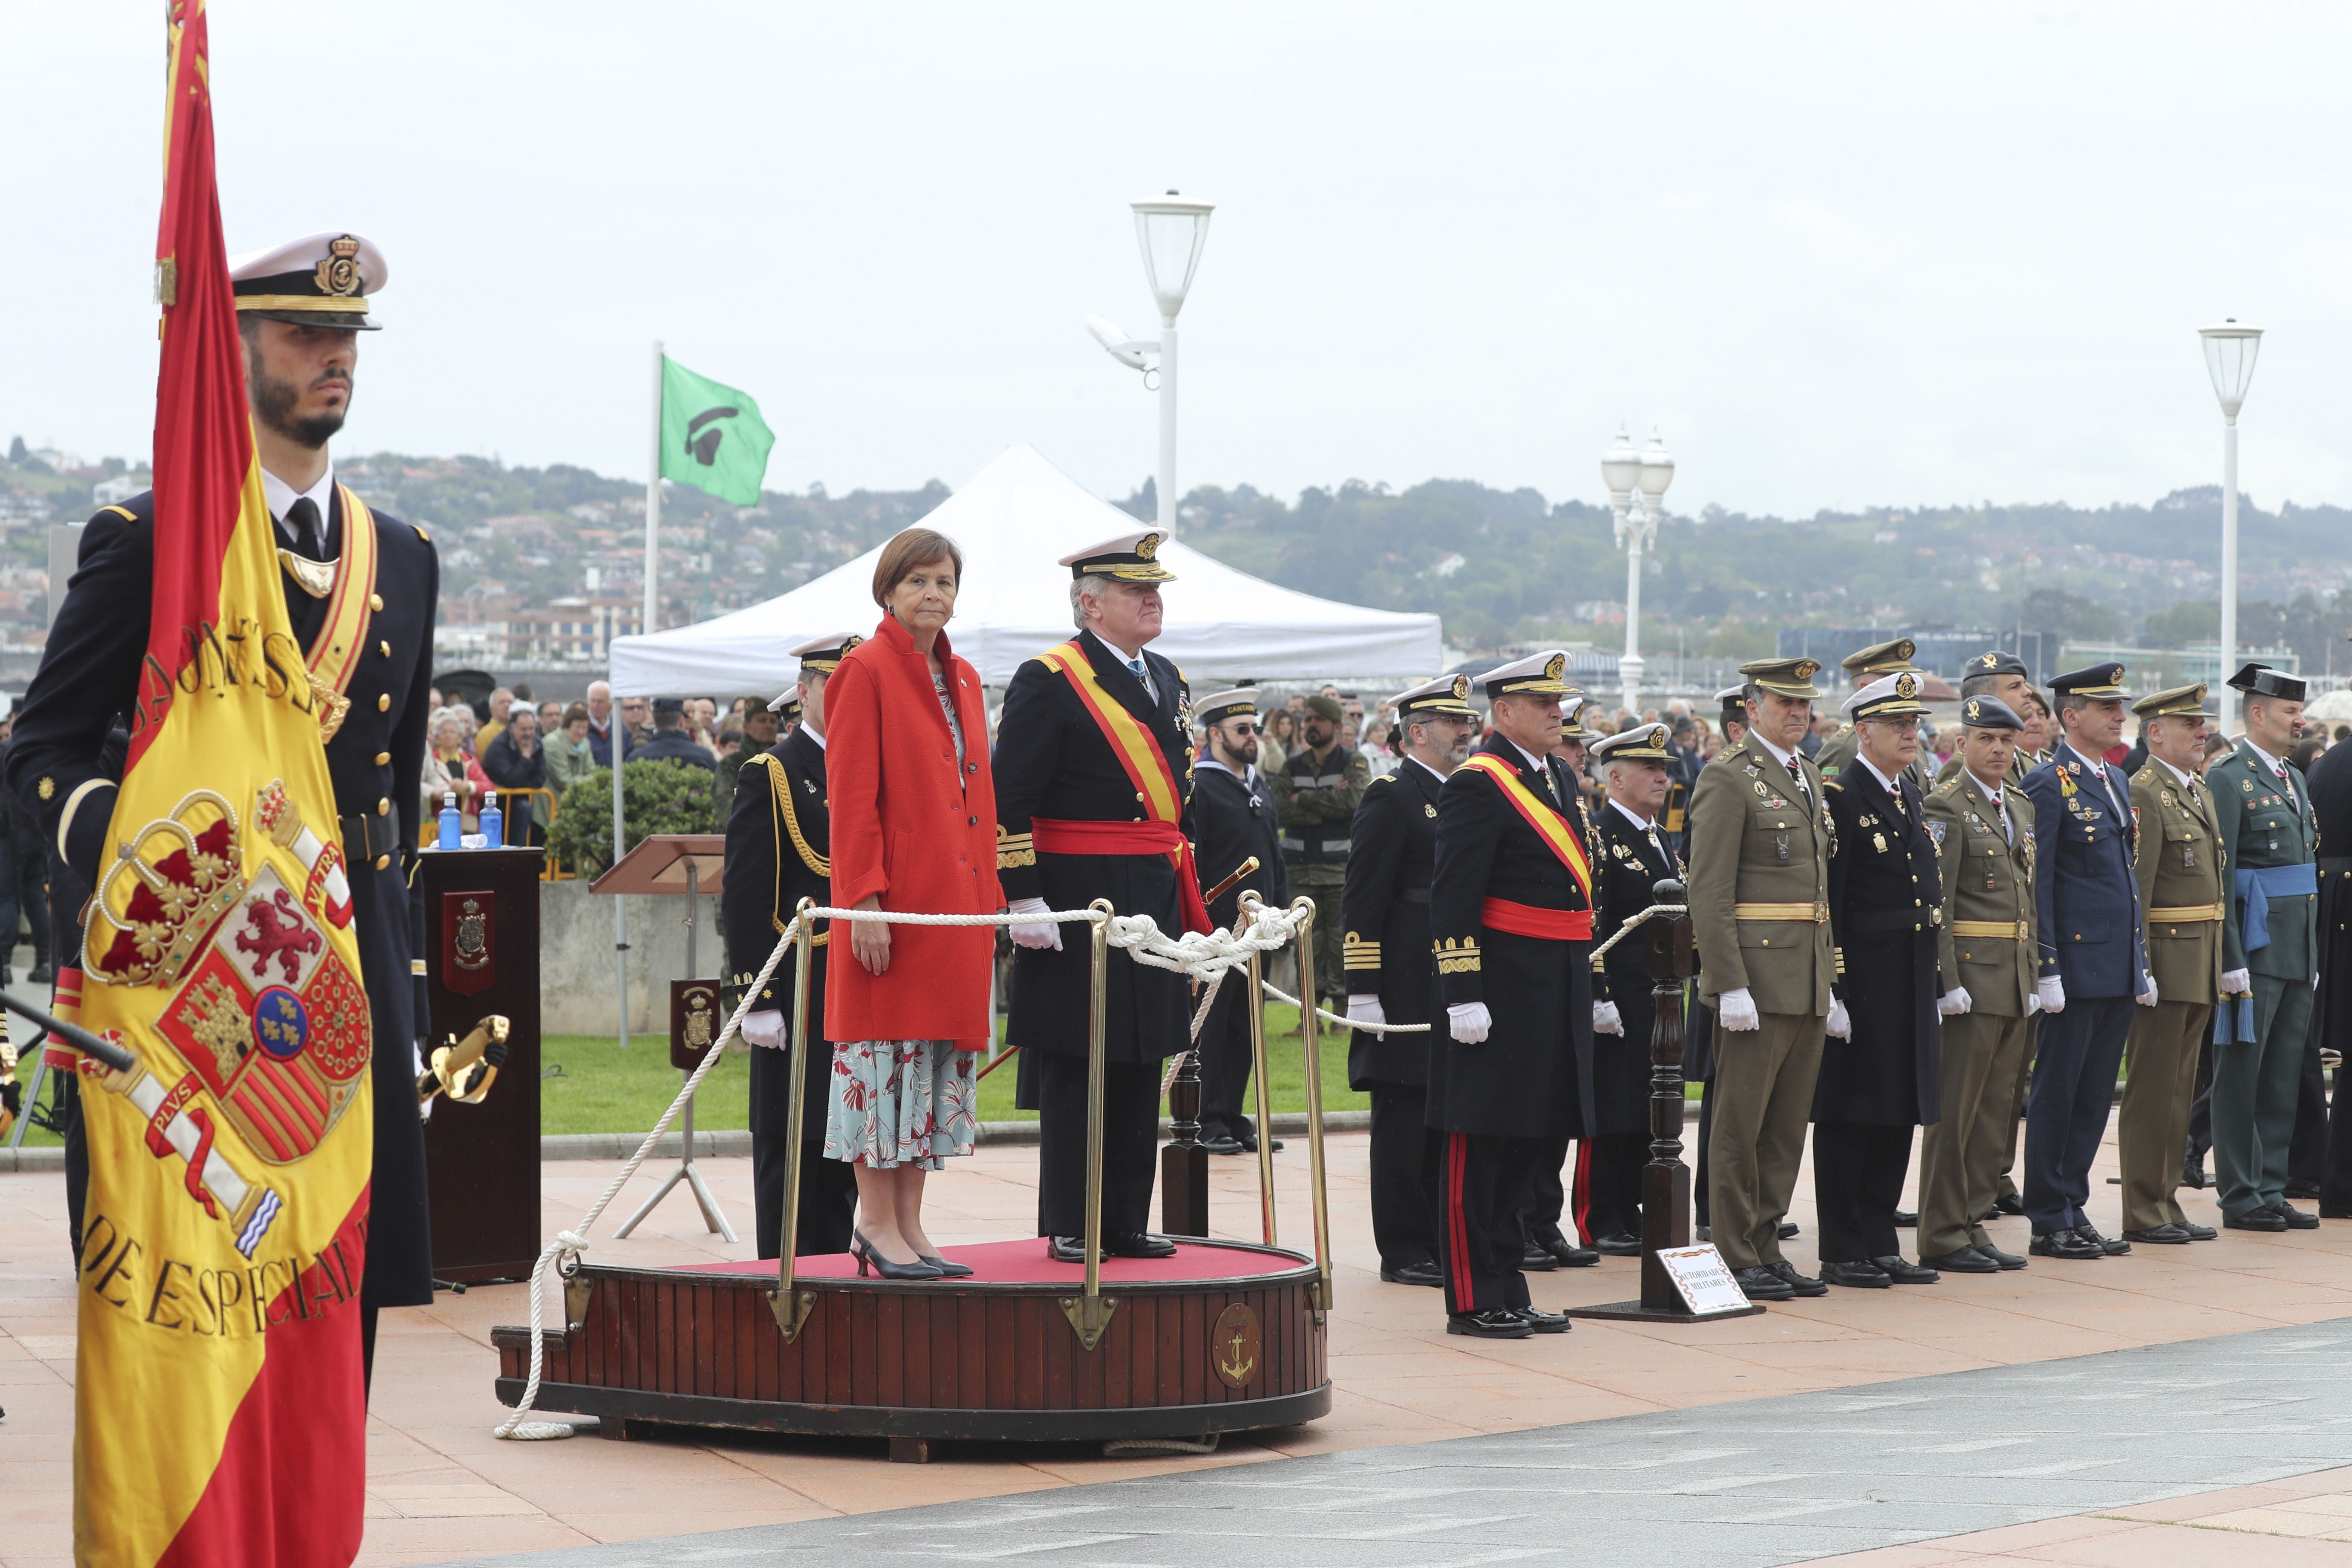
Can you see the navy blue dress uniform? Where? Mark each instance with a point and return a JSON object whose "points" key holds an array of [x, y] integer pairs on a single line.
{"points": [[2092, 940], [89, 674], [1885, 1078], [1234, 819], [2330, 788], [1056, 765], [1629, 858], [1511, 930], [778, 839], [1548, 1248], [1385, 909]]}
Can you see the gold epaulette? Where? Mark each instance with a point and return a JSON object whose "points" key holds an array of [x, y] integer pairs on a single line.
{"points": [[1013, 849]]}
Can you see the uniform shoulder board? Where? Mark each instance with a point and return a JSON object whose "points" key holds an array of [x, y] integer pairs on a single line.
{"points": [[1947, 786], [1383, 778], [1832, 783], [124, 512], [422, 534]]}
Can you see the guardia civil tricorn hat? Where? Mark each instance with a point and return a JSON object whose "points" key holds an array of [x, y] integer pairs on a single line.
{"points": [[2261, 680], [319, 280]]}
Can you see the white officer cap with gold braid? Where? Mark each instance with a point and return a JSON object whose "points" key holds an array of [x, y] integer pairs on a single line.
{"points": [[1446, 694], [1129, 557], [1540, 674], [1886, 697], [818, 656], [1635, 743], [319, 280]]}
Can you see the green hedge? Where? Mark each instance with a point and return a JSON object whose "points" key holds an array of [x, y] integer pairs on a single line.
{"points": [[657, 797]]}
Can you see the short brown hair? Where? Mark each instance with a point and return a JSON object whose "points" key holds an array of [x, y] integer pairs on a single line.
{"points": [[911, 548], [577, 710]]}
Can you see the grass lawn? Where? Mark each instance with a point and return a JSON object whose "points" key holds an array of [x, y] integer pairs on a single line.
{"points": [[604, 1089]]}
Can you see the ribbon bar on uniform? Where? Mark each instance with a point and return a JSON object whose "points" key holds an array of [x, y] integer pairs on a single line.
{"points": [[1526, 920]]}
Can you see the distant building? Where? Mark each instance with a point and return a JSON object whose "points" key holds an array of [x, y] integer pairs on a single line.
{"points": [[2160, 668], [120, 489]]}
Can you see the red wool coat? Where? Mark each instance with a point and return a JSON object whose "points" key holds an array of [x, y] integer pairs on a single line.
{"points": [[908, 825]]}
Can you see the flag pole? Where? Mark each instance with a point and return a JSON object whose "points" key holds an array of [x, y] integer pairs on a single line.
{"points": [[620, 731]]}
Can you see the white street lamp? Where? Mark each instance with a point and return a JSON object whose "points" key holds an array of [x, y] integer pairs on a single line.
{"points": [[2230, 350], [1170, 231], [1636, 482]]}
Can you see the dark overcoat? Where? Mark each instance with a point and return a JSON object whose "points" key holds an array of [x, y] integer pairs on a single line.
{"points": [[1886, 907], [1233, 819], [1628, 864], [779, 834], [1384, 906]]}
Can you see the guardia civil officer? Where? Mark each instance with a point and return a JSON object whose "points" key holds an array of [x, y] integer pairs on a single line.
{"points": [[1630, 856], [1511, 922], [1233, 819], [1094, 777], [778, 843], [1385, 906], [1883, 1074], [2183, 888], [1760, 840], [1862, 667], [1983, 831], [2270, 949], [2094, 960], [300, 306]]}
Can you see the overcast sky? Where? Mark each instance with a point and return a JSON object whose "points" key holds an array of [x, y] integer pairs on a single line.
{"points": [[1842, 255]]}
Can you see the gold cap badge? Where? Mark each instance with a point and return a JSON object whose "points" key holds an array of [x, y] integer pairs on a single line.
{"points": [[339, 273], [1148, 546]]}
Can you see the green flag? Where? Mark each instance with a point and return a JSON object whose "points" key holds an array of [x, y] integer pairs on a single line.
{"points": [[712, 435]]}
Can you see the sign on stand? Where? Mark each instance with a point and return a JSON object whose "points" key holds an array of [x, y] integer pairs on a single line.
{"points": [[1704, 1280]]}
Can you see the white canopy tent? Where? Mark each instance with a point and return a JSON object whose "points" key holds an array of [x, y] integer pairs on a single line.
{"points": [[1015, 520]]}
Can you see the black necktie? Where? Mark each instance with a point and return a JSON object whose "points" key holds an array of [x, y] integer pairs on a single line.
{"points": [[302, 521]]}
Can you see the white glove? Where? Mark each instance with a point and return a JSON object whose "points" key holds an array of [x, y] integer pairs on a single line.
{"points": [[2032, 1003], [416, 1055], [1955, 1001], [1736, 1010], [2147, 998], [2052, 993], [1605, 1020], [1839, 1025], [2237, 983], [1043, 934], [1362, 1010], [765, 1028], [1469, 1021]]}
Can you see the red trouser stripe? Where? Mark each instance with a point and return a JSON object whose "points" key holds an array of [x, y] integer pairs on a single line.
{"points": [[1583, 1191], [1457, 1228]]}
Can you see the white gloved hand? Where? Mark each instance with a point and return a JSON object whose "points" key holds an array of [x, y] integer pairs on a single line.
{"points": [[1362, 1009], [416, 1055], [2032, 1003], [1839, 1025], [2237, 982], [1736, 1010], [1043, 934], [1469, 1021], [1955, 1002], [2052, 993], [1605, 1020], [765, 1027], [2148, 995]]}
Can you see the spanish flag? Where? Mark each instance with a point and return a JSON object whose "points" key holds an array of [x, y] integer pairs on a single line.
{"points": [[219, 1415]]}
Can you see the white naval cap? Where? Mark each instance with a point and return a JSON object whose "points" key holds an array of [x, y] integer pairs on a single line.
{"points": [[1225, 705], [1129, 557], [1446, 694], [1886, 696], [319, 280], [1544, 674], [1633, 744]]}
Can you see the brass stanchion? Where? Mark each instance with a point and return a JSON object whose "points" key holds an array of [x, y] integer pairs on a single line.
{"points": [[1090, 1314], [791, 1307], [1256, 1002], [1311, 1042]]}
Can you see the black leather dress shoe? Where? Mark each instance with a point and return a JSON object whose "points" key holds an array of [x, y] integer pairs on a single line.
{"points": [[1249, 1144], [1543, 1322], [2255, 1219], [1536, 1260], [1802, 1284], [1067, 1248], [2302, 1187], [2296, 1218], [1855, 1276], [2192, 1174], [1905, 1272], [2113, 1246], [2008, 1260], [1494, 1324], [1222, 1144], [1139, 1244], [2195, 1232], [1906, 1219], [2067, 1244], [1425, 1272], [1788, 1229], [2012, 1204], [1618, 1245], [1966, 1260], [2166, 1234], [1762, 1285], [1566, 1254]]}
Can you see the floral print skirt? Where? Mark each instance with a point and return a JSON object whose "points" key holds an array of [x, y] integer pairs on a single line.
{"points": [[900, 1102]]}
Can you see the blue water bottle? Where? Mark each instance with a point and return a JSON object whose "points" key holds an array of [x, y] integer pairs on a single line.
{"points": [[494, 823], [452, 826]]}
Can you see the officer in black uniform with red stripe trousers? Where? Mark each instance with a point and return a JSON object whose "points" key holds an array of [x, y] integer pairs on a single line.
{"points": [[1511, 918]]}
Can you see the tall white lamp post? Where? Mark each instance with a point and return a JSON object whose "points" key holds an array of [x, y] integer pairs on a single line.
{"points": [[2230, 350], [1636, 480], [1171, 229]]}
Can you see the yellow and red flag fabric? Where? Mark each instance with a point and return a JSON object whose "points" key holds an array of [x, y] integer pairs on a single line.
{"points": [[219, 1413]]}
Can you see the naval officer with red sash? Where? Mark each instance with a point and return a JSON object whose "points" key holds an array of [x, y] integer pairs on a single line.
{"points": [[1511, 922], [1093, 775]]}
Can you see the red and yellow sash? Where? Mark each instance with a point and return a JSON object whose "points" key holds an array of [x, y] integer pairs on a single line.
{"points": [[334, 653], [1147, 768], [1550, 825]]}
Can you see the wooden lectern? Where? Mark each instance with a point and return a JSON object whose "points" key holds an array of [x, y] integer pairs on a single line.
{"points": [[480, 953], [671, 864]]}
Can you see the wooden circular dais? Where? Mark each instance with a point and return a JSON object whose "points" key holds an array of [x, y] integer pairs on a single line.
{"points": [[1233, 1346]]}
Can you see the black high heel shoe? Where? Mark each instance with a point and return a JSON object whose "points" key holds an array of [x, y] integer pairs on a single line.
{"points": [[863, 1250], [948, 1271]]}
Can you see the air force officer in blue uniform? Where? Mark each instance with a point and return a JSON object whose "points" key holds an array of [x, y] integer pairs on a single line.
{"points": [[2093, 959]]}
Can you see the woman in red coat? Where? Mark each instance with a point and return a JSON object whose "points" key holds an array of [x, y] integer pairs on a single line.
{"points": [[914, 828]]}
